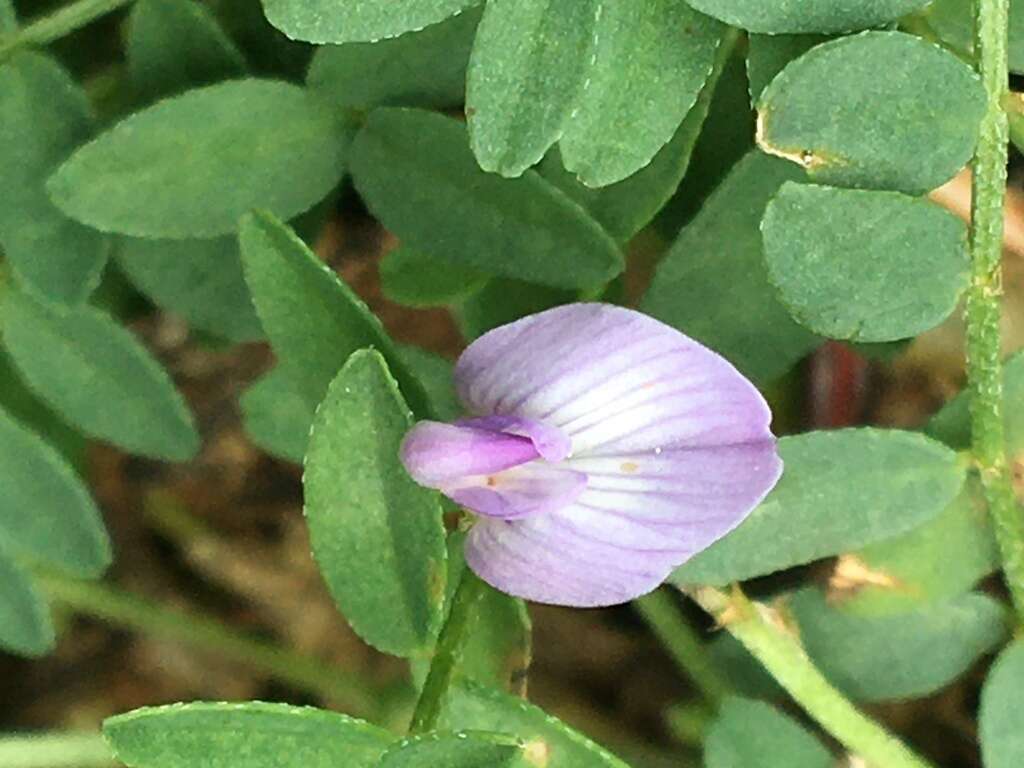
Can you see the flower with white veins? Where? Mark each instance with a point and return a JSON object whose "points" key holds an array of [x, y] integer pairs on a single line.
{"points": [[603, 450]]}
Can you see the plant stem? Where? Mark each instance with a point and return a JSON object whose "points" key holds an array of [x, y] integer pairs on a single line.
{"points": [[690, 654], [55, 750], [58, 24], [763, 633], [208, 634], [984, 350], [448, 652]]}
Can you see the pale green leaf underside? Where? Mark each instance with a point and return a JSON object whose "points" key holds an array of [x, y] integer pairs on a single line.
{"points": [[456, 750], [782, 16], [53, 255], [748, 733], [46, 512], [832, 111], [330, 21], [98, 377], [191, 165], [906, 278], [418, 176], [25, 624], [904, 655]]}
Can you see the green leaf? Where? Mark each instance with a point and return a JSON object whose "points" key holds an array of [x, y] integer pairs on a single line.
{"points": [[25, 624], [419, 69], [189, 166], [46, 513], [277, 416], [417, 280], [781, 16], [98, 377], [906, 655], [814, 114], [8, 18], [767, 55], [54, 256], [173, 45], [435, 375], [648, 63], [527, 72], [201, 280], [455, 750], [713, 284], [952, 424], [547, 741], [748, 733], [328, 21], [378, 538], [314, 320], [953, 22], [243, 735], [937, 561], [626, 207], [850, 487], [418, 176], [501, 301], [1001, 719], [906, 278]]}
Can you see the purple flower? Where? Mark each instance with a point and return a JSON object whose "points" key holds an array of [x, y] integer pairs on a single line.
{"points": [[604, 450]]}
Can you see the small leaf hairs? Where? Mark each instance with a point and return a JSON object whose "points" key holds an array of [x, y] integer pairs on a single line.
{"points": [[602, 450]]}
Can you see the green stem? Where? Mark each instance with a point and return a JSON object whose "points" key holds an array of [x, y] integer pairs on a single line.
{"points": [[59, 23], [55, 750], [690, 654], [982, 314], [763, 633], [208, 634], [447, 653]]}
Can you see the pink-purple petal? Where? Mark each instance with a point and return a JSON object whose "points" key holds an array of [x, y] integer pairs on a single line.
{"points": [[436, 454], [537, 488]]}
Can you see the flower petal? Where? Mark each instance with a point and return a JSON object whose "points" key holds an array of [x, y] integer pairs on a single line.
{"points": [[535, 488], [436, 454], [614, 380], [551, 442], [640, 517]]}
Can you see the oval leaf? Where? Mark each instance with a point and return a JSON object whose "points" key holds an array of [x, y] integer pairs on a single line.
{"points": [[456, 750], [748, 733], [713, 285], [313, 319], [814, 113], [173, 45], [25, 624], [850, 487], [902, 656], [937, 561], [906, 278], [526, 74], [1002, 710], [189, 166], [98, 377], [767, 55], [418, 69], [547, 741], [327, 21], [46, 513], [201, 280], [377, 536], [54, 256], [416, 280], [418, 176], [775, 16], [631, 105], [244, 735]]}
